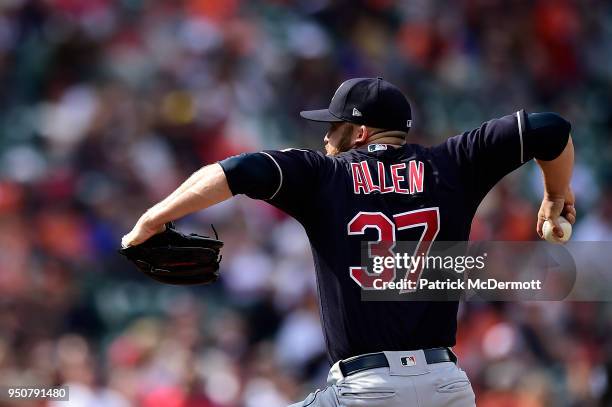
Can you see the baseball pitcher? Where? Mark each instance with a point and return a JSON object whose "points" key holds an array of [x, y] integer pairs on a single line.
{"points": [[371, 185]]}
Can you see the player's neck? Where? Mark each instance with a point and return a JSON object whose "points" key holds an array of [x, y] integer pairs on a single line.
{"points": [[392, 138]]}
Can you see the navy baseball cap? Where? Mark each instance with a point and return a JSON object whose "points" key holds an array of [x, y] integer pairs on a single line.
{"points": [[372, 102]]}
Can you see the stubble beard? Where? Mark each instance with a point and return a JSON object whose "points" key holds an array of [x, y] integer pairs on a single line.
{"points": [[344, 143]]}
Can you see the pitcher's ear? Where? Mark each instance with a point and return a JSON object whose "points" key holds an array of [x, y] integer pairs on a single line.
{"points": [[362, 134]]}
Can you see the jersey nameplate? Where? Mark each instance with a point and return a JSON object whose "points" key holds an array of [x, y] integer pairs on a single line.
{"points": [[404, 179]]}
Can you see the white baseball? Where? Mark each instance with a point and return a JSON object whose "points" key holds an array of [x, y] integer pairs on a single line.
{"points": [[549, 236]]}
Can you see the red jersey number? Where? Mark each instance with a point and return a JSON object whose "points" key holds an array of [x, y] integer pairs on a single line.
{"points": [[428, 218]]}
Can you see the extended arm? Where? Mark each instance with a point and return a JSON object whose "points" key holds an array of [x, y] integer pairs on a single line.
{"points": [[206, 187], [255, 175]]}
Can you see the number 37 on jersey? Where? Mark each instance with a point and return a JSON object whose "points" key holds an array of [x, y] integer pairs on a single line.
{"points": [[387, 230]]}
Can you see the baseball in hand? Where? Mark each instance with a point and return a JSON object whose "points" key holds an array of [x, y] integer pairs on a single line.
{"points": [[549, 236]]}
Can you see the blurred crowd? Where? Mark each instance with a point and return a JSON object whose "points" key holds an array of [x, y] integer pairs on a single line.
{"points": [[106, 105]]}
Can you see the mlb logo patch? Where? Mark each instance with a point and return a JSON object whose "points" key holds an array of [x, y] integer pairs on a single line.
{"points": [[408, 361], [376, 147]]}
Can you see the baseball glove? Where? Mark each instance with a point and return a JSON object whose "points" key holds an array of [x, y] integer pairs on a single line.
{"points": [[172, 257]]}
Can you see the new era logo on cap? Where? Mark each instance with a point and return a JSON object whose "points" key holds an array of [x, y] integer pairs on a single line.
{"points": [[356, 112]]}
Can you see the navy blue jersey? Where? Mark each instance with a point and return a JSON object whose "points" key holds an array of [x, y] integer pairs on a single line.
{"points": [[383, 193]]}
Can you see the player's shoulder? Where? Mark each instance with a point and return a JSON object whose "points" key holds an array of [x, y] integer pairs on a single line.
{"points": [[299, 158], [297, 153]]}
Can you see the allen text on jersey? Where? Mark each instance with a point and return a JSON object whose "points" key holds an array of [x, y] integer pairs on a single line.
{"points": [[404, 178]]}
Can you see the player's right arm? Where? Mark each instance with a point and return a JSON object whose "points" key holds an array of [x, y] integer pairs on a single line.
{"points": [[558, 195], [496, 148]]}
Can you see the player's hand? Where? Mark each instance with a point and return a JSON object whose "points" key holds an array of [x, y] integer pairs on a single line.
{"points": [[553, 207], [144, 229], [569, 208]]}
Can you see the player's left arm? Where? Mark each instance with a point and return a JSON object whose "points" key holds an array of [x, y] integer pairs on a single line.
{"points": [[284, 178], [287, 179], [204, 188]]}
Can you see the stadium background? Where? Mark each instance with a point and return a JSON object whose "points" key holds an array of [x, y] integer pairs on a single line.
{"points": [[106, 105]]}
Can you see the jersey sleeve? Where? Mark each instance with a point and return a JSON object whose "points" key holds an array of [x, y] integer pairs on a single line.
{"points": [[288, 179], [486, 154]]}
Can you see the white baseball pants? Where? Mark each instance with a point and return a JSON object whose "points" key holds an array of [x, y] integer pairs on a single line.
{"points": [[419, 385]]}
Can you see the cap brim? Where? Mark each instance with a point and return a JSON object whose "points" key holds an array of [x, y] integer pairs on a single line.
{"points": [[323, 115]]}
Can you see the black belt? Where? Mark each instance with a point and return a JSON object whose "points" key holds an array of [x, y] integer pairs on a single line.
{"points": [[376, 360]]}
